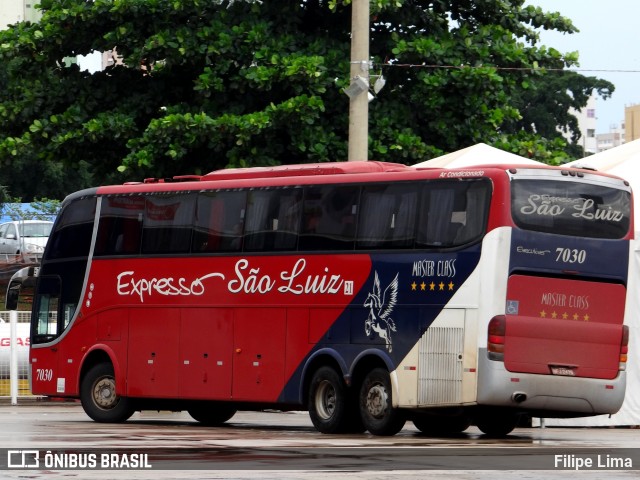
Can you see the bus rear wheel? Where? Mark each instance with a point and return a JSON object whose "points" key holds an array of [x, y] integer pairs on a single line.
{"points": [[99, 397], [212, 414], [497, 424], [441, 425], [329, 403], [376, 408]]}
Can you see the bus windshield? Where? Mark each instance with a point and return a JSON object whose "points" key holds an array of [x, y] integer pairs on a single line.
{"points": [[569, 208]]}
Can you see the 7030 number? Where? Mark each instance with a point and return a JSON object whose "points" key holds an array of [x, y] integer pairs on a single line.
{"points": [[570, 255], [44, 374]]}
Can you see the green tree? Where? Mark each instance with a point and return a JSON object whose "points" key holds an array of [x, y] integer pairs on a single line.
{"points": [[546, 107], [206, 84], [40, 209]]}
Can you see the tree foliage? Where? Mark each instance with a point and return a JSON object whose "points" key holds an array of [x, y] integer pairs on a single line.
{"points": [[207, 84], [40, 209]]}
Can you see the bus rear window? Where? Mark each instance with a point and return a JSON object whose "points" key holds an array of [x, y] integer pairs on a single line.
{"points": [[570, 208]]}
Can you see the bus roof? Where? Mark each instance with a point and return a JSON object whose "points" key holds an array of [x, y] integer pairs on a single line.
{"points": [[307, 169], [313, 172]]}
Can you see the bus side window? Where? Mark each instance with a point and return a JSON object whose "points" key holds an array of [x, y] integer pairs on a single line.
{"points": [[436, 228], [273, 219], [120, 225], [167, 223], [453, 213], [377, 215], [219, 221], [387, 216], [259, 221], [288, 221], [404, 224], [330, 215], [473, 217]]}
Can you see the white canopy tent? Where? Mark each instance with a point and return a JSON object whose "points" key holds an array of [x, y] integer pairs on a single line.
{"points": [[479, 154], [623, 161]]}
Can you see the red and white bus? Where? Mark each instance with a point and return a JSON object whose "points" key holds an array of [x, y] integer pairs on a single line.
{"points": [[368, 293]]}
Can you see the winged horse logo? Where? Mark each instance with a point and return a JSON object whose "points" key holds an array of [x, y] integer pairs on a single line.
{"points": [[381, 306]]}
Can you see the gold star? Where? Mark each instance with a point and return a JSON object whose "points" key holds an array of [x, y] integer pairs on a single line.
{"points": [[576, 316], [451, 285], [432, 286], [565, 316], [586, 317], [543, 314], [423, 286], [413, 286], [441, 285], [554, 315]]}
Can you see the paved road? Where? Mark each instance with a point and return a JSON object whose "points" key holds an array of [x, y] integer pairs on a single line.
{"points": [[282, 446]]}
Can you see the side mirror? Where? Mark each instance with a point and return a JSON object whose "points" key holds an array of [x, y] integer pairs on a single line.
{"points": [[25, 278], [13, 293]]}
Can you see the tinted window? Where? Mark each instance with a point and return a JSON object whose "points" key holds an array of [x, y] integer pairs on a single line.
{"points": [[219, 221], [273, 219], [453, 213], [387, 216], [570, 208], [73, 230], [329, 218], [428, 214], [120, 227], [167, 223]]}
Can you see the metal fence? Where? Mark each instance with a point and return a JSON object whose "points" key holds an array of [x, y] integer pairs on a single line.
{"points": [[24, 232], [14, 355]]}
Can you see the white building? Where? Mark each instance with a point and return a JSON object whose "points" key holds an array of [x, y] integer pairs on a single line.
{"points": [[611, 139], [13, 11], [587, 122]]}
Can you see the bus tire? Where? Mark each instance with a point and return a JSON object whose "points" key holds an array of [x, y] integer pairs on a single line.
{"points": [[328, 401], [212, 414], [376, 408], [497, 424], [99, 397], [441, 425]]}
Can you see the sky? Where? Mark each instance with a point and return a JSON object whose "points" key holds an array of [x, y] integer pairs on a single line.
{"points": [[609, 47]]}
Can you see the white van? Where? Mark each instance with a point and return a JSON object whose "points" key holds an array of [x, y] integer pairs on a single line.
{"points": [[25, 237]]}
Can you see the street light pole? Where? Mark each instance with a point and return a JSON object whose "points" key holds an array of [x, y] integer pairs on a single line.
{"points": [[359, 71]]}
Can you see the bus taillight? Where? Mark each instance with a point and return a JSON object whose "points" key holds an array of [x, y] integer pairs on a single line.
{"points": [[495, 341], [624, 347]]}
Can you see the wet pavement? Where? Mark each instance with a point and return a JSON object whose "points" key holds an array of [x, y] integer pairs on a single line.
{"points": [[279, 445]]}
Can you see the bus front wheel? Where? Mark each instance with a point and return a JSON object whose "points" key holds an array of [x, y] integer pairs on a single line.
{"points": [[376, 409], [99, 397]]}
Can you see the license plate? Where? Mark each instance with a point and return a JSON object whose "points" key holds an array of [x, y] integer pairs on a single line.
{"points": [[566, 371]]}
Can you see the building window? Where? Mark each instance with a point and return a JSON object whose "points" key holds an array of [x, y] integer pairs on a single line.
{"points": [[591, 113]]}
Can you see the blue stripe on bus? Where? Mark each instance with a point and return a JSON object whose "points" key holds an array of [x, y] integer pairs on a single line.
{"points": [[557, 254], [423, 284]]}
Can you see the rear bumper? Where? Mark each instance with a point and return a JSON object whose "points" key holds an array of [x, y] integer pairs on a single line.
{"points": [[547, 394]]}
